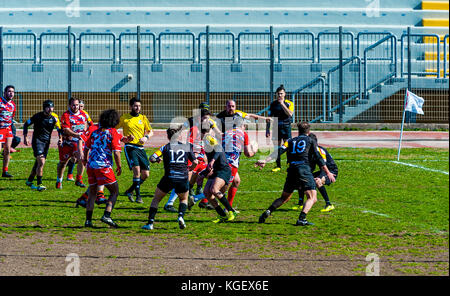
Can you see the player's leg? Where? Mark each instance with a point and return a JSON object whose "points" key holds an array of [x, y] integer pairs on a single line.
{"points": [[311, 195], [320, 183], [30, 179], [158, 196], [113, 189], [40, 172], [184, 196], [234, 186], [6, 155], [65, 153], [90, 203], [169, 204], [136, 182], [80, 166], [284, 198], [70, 167]]}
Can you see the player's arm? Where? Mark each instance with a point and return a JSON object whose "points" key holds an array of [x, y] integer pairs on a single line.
{"points": [[117, 160], [320, 161], [156, 156], [283, 148], [247, 151], [25, 130], [289, 110]]}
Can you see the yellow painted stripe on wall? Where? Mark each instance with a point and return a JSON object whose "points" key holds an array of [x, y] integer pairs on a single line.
{"points": [[433, 55], [435, 22], [435, 5]]}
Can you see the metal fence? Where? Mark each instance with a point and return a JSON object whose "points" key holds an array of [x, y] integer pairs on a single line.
{"points": [[331, 77]]}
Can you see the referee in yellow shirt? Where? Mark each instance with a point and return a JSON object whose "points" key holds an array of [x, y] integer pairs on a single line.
{"points": [[137, 125]]}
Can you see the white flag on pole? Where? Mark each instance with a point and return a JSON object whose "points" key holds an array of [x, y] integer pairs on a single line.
{"points": [[413, 103]]}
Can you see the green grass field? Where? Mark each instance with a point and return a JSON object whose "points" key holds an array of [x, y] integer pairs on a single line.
{"points": [[399, 212]]}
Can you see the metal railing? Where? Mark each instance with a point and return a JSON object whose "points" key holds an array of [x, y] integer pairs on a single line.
{"points": [[427, 45], [221, 47], [328, 46], [177, 47], [253, 46], [20, 47], [296, 46], [128, 47], [314, 107], [446, 51], [388, 53], [53, 47], [97, 47]]}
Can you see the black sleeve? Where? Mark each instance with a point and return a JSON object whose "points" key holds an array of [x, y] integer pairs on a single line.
{"points": [[27, 123]]}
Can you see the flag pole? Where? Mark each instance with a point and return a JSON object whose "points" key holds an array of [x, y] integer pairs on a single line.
{"points": [[403, 122]]}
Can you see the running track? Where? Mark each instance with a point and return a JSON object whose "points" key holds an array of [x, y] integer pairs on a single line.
{"points": [[354, 139]]}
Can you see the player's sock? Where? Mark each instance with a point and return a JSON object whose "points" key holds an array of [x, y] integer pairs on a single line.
{"points": [[182, 209], [324, 193], [302, 216], [301, 194], [30, 178], [231, 194], [80, 178], [223, 200], [89, 215], [272, 208], [172, 198], [136, 181], [279, 158], [39, 180], [59, 180], [70, 166], [220, 211], [107, 214], [137, 190], [151, 215]]}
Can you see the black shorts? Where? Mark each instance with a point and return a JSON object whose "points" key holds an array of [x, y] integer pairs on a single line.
{"points": [[284, 132], [224, 174], [320, 174], [166, 185], [299, 176], [136, 156], [40, 147]]}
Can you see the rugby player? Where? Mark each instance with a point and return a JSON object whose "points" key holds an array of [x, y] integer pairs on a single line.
{"points": [[137, 125], [227, 115], [219, 174], [73, 160], [321, 178], [44, 122], [235, 141], [283, 110], [101, 147], [73, 124], [175, 155], [7, 113], [299, 151]]}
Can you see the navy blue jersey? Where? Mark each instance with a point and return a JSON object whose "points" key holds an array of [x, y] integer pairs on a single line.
{"points": [[302, 150]]}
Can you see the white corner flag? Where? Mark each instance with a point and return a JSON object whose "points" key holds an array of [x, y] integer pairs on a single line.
{"points": [[413, 103]]}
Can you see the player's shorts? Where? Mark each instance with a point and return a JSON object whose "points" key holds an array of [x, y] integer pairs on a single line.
{"points": [[200, 166], [166, 185], [284, 132], [234, 171], [40, 147], [136, 156], [299, 176], [67, 150], [103, 176], [224, 174], [5, 133], [320, 174]]}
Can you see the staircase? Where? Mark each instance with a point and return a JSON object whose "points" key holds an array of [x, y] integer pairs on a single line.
{"points": [[376, 95]]}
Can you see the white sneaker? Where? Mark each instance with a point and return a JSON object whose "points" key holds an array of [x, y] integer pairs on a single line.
{"points": [[181, 223], [148, 226]]}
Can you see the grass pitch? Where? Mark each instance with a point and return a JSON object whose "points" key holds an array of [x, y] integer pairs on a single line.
{"points": [[397, 211]]}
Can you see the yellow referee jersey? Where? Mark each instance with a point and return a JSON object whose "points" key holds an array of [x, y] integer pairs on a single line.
{"points": [[134, 125]]}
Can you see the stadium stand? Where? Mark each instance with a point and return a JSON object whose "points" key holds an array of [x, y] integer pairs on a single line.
{"points": [[172, 35]]}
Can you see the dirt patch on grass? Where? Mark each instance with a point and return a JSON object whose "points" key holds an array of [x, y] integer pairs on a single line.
{"points": [[102, 254]]}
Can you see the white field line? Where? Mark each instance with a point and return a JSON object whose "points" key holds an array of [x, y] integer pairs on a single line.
{"points": [[420, 167]]}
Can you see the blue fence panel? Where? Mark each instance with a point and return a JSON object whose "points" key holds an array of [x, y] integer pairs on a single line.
{"points": [[128, 47], [53, 46], [328, 45], [221, 46], [176, 47], [97, 47], [254, 46], [19, 47], [296, 46]]}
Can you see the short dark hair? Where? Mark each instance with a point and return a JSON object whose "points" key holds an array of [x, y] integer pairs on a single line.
{"points": [[8, 87], [73, 99], [281, 87], [205, 112], [303, 127], [172, 131], [313, 136], [134, 100], [109, 118]]}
